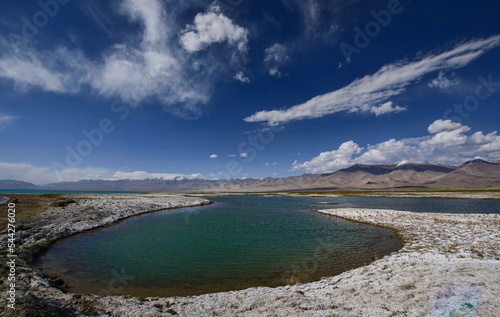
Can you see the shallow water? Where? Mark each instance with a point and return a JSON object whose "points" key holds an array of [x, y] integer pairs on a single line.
{"points": [[238, 242], [439, 205]]}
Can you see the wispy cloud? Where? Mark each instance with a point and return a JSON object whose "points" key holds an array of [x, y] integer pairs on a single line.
{"points": [[443, 82], [275, 56], [5, 120], [148, 64], [447, 143], [389, 81], [58, 71]]}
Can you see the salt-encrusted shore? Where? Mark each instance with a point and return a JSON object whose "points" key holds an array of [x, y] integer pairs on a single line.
{"points": [[70, 214], [449, 266]]}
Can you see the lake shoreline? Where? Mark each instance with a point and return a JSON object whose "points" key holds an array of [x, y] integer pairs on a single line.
{"points": [[444, 254], [60, 216]]}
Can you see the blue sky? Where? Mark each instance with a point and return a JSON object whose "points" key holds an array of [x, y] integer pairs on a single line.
{"points": [[128, 89]]}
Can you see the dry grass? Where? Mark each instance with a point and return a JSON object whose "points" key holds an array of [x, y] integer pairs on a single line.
{"points": [[27, 206]]}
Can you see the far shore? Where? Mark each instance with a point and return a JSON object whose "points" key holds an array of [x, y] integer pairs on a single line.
{"points": [[450, 264], [487, 194]]}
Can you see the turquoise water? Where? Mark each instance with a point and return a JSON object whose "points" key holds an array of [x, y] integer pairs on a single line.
{"points": [[439, 205], [238, 242]]}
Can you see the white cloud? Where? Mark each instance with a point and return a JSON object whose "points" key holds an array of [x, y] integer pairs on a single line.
{"points": [[271, 164], [442, 126], [448, 143], [277, 53], [149, 13], [275, 72], [389, 81], [141, 175], [154, 68], [231, 155], [5, 120], [446, 138], [382, 109], [214, 156], [275, 56], [213, 27], [442, 82], [45, 175], [28, 68], [388, 151], [331, 160], [309, 11], [242, 77], [243, 154], [147, 64]]}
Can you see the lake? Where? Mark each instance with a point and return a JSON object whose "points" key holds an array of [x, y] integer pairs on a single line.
{"points": [[236, 243]]}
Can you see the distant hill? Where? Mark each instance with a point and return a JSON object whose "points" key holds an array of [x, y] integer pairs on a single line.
{"points": [[404, 175], [10, 184], [471, 174]]}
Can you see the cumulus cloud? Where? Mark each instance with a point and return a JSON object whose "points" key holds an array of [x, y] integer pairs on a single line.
{"points": [[448, 143], [5, 120], [443, 126], [443, 82], [240, 76], [380, 110], [213, 27], [389, 81], [45, 175], [214, 156], [244, 155], [330, 160]]}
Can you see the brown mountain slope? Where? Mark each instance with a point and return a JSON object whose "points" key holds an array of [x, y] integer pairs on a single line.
{"points": [[474, 174]]}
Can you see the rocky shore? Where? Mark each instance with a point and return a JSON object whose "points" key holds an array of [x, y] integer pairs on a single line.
{"points": [[449, 266]]}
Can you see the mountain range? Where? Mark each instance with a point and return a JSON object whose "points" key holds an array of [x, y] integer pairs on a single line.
{"points": [[405, 175]]}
